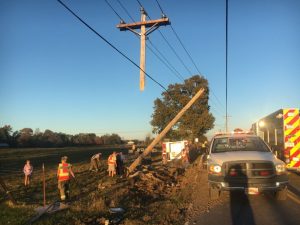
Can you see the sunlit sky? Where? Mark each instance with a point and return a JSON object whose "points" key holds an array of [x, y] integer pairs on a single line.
{"points": [[56, 74]]}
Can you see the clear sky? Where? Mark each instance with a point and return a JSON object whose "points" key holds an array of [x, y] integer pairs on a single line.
{"points": [[56, 74]]}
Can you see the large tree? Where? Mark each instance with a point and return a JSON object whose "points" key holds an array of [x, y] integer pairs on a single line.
{"points": [[195, 122]]}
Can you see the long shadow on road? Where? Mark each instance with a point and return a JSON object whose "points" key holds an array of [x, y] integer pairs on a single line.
{"points": [[240, 208]]}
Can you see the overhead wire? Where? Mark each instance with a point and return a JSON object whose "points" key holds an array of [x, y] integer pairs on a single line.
{"points": [[122, 21], [111, 45], [126, 11], [179, 58], [226, 65], [161, 58], [140, 3], [185, 49], [170, 46], [175, 71]]}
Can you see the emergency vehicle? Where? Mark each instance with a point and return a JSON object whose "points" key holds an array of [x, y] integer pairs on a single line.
{"points": [[281, 130], [244, 162], [172, 150]]}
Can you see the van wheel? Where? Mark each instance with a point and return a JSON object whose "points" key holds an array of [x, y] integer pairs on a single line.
{"points": [[214, 193], [281, 195]]}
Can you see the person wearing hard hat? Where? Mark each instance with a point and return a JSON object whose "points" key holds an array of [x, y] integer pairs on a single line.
{"points": [[63, 175]]}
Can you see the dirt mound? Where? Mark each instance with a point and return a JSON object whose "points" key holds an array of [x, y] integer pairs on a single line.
{"points": [[158, 194]]}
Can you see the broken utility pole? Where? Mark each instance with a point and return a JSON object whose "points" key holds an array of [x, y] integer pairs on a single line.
{"points": [[164, 132], [153, 24]]}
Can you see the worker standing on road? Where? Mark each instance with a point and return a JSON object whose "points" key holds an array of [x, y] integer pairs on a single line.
{"points": [[112, 163], [95, 162], [28, 168], [63, 174]]}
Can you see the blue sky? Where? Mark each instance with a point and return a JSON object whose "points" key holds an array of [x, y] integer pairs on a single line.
{"points": [[56, 74]]}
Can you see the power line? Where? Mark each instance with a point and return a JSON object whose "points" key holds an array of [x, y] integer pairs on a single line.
{"points": [[176, 54], [140, 3], [170, 46], [110, 44], [162, 12], [126, 11], [185, 49], [181, 43], [226, 67], [175, 71], [161, 58], [122, 21]]}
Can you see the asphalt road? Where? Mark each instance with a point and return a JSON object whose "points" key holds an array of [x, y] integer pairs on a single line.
{"points": [[241, 209]]}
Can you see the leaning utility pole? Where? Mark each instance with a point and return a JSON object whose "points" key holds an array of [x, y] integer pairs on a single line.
{"points": [[153, 24], [165, 131]]}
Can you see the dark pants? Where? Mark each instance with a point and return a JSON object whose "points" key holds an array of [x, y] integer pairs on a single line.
{"points": [[120, 168], [64, 190]]}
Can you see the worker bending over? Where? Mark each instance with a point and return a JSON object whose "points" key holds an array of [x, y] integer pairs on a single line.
{"points": [[95, 162]]}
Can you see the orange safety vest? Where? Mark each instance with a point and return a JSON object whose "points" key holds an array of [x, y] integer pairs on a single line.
{"points": [[63, 171], [111, 160]]}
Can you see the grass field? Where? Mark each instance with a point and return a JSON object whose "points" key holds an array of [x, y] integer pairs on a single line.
{"points": [[11, 166], [12, 160], [158, 195]]}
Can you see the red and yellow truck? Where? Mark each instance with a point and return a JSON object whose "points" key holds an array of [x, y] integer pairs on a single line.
{"points": [[281, 130]]}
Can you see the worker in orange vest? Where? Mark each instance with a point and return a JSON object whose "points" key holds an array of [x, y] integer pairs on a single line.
{"points": [[63, 175], [112, 163]]}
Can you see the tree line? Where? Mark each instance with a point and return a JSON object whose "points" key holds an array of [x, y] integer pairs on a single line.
{"points": [[193, 124], [26, 137]]}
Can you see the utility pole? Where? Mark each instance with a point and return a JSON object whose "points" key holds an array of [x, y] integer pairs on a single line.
{"points": [[226, 122], [142, 25], [165, 131]]}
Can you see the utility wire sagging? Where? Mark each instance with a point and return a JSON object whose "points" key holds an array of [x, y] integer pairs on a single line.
{"points": [[186, 51], [161, 56], [110, 44]]}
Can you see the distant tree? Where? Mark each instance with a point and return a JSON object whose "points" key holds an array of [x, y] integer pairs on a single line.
{"points": [[237, 130], [5, 134], [25, 137], [195, 122], [51, 139], [148, 139], [111, 139], [14, 138]]}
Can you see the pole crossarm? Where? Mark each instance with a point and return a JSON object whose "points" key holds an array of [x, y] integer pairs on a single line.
{"points": [[148, 23], [146, 27]]}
